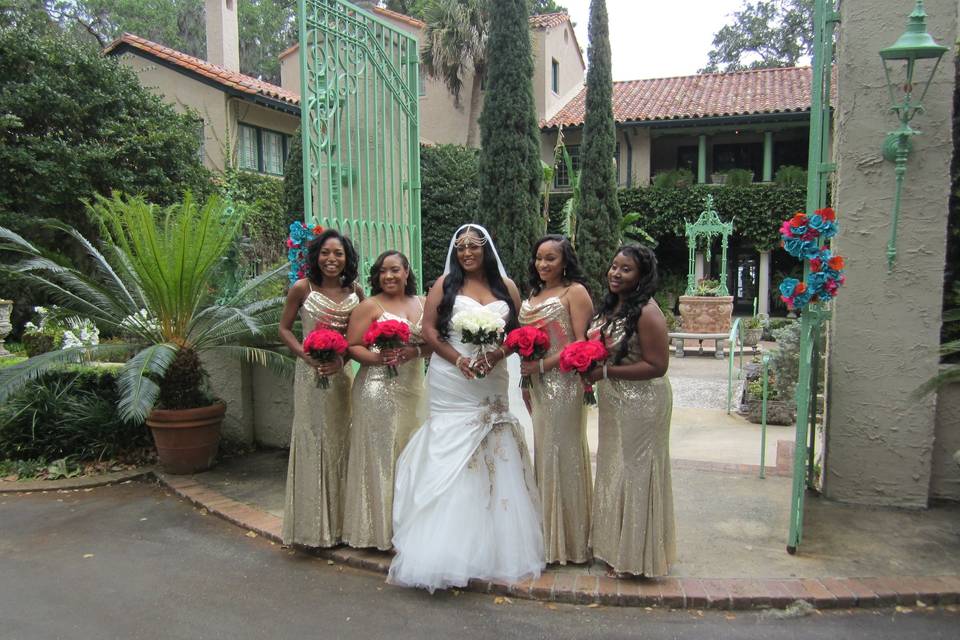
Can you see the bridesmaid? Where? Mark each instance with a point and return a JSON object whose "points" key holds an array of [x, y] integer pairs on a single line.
{"points": [[385, 408], [633, 527], [560, 305], [313, 508]]}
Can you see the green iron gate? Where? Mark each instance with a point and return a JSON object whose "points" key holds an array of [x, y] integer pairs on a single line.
{"points": [[360, 128], [814, 315]]}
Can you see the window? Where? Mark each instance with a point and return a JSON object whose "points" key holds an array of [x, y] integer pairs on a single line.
{"points": [[738, 156], [561, 178], [262, 150], [555, 76]]}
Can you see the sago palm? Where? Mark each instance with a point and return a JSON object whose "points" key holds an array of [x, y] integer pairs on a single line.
{"points": [[152, 284]]}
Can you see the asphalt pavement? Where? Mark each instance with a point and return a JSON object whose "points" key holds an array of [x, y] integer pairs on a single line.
{"points": [[132, 562]]}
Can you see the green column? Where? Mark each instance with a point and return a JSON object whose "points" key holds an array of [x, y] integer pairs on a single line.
{"points": [[768, 156], [702, 160]]}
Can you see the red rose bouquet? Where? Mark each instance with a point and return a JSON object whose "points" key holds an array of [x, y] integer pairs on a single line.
{"points": [[582, 357], [531, 343], [387, 334], [324, 345]]}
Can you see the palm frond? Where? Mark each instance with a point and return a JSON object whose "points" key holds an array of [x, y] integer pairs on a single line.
{"points": [[16, 242], [138, 388], [15, 377], [280, 364]]}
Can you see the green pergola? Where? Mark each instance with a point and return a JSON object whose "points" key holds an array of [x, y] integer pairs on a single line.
{"points": [[708, 226]]}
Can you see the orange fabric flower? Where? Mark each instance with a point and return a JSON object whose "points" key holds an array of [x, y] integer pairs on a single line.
{"points": [[800, 288], [827, 214], [799, 219], [836, 263]]}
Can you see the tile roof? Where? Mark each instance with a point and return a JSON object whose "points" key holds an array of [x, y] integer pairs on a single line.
{"points": [[548, 20], [229, 79], [761, 91]]}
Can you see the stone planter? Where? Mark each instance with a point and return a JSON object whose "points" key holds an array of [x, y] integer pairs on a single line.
{"points": [[751, 337], [706, 314], [187, 439], [778, 412], [6, 308]]}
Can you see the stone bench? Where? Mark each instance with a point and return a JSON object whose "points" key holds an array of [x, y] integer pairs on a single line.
{"points": [[719, 340]]}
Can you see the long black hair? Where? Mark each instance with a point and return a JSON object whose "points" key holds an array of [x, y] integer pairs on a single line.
{"points": [[453, 282], [634, 301], [350, 269], [375, 288], [571, 264]]}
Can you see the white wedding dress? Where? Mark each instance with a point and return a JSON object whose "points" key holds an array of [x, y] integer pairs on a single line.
{"points": [[465, 501]]}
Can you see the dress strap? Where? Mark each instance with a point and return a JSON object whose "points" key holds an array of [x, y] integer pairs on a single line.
{"points": [[420, 304]]}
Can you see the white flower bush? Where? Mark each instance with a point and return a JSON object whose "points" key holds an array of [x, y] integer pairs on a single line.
{"points": [[81, 333]]}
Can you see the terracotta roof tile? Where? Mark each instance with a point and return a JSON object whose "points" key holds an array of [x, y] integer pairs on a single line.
{"points": [[548, 20], [246, 84], [762, 91]]}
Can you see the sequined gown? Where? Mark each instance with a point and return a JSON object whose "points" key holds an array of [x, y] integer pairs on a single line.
{"points": [[633, 526], [561, 455], [466, 500], [385, 415], [313, 507]]}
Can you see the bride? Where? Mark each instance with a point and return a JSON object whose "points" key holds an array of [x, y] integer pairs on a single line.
{"points": [[465, 503]]}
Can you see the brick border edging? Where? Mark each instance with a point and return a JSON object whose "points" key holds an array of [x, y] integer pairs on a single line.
{"points": [[70, 484], [675, 593]]}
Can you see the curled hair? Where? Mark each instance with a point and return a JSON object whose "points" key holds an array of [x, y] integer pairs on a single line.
{"points": [[350, 270], [571, 264], [453, 282], [375, 287], [633, 302]]}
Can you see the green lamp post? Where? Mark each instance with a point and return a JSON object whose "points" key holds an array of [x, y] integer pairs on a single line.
{"points": [[904, 55]]}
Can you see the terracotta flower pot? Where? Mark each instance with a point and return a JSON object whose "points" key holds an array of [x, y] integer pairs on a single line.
{"points": [[706, 314], [187, 439]]}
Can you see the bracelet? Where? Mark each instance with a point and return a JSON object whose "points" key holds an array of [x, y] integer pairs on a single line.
{"points": [[459, 358], [419, 353], [503, 351], [485, 361], [604, 372], [541, 366]]}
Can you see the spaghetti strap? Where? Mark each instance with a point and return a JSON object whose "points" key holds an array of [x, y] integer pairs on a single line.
{"points": [[382, 310], [565, 292], [420, 303]]}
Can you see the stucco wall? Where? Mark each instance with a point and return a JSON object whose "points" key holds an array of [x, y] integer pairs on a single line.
{"points": [[209, 103], [558, 44], [886, 327], [945, 480]]}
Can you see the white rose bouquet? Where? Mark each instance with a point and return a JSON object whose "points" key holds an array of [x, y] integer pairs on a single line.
{"points": [[479, 327]]}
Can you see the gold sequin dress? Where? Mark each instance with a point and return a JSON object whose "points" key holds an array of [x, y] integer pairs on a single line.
{"points": [[313, 508], [561, 455], [633, 526], [385, 415]]}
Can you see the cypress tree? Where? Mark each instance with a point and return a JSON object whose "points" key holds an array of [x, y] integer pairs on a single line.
{"points": [[510, 171], [598, 221]]}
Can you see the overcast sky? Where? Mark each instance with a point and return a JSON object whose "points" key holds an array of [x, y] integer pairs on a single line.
{"points": [[657, 38]]}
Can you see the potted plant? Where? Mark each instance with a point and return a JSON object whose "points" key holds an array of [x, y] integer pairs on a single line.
{"points": [[751, 330], [152, 284], [706, 311]]}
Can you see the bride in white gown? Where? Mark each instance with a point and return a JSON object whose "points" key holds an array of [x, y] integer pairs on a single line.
{"points": [[465, 502]]}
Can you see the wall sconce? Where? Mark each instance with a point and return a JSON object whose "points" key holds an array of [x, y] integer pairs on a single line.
{"points": [[914, 45]]}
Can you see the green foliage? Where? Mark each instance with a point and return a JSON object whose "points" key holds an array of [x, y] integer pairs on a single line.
{"points": [[739, 177], [675, 179], [152, 285], [785, 360], [510, 171], [449, 197], [707, 288], [790, 176], [23, 469], [41, 342], [266, 27], [598, 218], [762, 35], [75, 124], [68, 412], [293, 179], [266, 218], [772, 325], [413, 8]]}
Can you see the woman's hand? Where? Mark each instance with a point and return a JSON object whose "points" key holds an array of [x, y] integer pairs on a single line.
{"points": [[593, 375], [530, 367], [463, 363], [313, 364], [330, 368], [399, 356], [486, 361]]}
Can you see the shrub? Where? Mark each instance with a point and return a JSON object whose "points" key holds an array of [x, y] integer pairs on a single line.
{"points": [[676, 179], [68, 412], [449, 198], [739, 177], [790, 176]]}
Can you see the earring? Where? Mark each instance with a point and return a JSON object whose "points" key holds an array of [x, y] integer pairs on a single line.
{"points": [[564, 273]]}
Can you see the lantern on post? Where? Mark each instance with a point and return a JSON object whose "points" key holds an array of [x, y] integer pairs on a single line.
{"points": [[902, 64]]}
